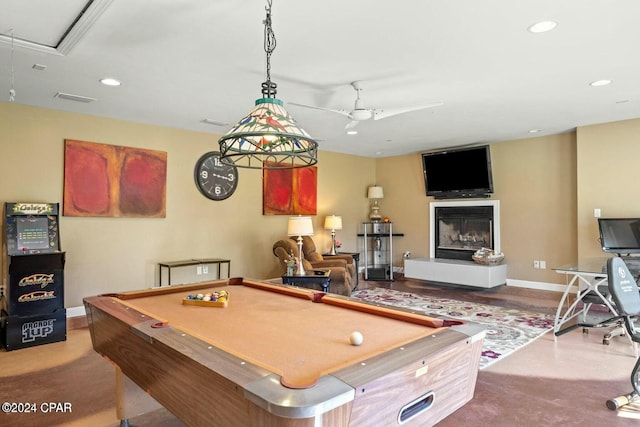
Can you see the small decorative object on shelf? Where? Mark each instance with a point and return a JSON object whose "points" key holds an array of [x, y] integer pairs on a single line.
{"points": [[291, 265], [487, 256]]}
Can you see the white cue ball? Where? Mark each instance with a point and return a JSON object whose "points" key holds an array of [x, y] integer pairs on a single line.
{"points": [[355, 338]]}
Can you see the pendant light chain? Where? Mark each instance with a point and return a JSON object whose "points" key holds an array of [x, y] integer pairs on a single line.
{"points": [[268, 87]]}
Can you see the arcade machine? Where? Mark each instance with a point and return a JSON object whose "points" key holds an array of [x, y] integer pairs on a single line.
{"points": [[33, 310]]}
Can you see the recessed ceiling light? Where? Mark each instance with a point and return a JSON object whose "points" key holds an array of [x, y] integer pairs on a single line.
{"points": [[602, 82], [542, 27], [110, 81], [352, 132], [535, 130]]}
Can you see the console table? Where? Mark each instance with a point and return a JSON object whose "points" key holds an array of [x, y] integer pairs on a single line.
{"points": [[191, 262]]}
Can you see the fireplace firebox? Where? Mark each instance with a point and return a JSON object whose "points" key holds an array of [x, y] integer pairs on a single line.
{"points": [[459, 229]]}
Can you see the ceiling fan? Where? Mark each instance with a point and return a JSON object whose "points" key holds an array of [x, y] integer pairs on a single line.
{"points": [[360, 113]]}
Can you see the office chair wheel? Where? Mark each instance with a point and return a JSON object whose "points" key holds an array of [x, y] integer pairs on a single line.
{"points": [[620, 401], [585, 331]]}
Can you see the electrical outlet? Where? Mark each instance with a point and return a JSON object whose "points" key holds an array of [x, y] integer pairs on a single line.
{"points": [[536, 264], [205, 269], [597, 213], [543, 265], [199, 270]]}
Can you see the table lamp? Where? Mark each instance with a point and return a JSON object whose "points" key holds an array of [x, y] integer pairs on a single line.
{"points": [[333, 223], [374, 194], [300, 226]]}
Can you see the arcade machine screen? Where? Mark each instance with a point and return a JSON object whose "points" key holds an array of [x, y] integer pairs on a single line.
{"points": [[33, 233]]}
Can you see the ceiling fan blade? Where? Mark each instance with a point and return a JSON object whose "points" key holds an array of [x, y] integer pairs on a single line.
{"points": [[384, 113], [342, 112], [352, 124]]}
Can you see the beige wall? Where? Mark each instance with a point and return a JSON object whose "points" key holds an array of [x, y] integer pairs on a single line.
{"points": [[534, 180], [608, 177], [547, 188], [116, 254]]}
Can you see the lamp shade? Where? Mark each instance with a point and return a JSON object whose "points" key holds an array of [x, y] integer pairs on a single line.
{"points": [[300, 226], [268, 137], [375, 192], [333, 222]]}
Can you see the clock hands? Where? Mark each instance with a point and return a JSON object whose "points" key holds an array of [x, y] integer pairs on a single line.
{"points": [[222, 177]]}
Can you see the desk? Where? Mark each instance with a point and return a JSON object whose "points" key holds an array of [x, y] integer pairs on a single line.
{"points": [[311, 277], [356, 259], [191, 262], [588, 276], [279, 355]]}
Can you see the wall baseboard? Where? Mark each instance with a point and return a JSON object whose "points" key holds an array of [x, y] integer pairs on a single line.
{"points": [[76, 311], [543, 286]]}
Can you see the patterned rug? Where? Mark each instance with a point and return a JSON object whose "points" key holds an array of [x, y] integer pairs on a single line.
{"points": [[507, 329]]}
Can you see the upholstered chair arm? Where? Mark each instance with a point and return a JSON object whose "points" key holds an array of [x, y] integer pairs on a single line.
{"points": [[340, 282]]}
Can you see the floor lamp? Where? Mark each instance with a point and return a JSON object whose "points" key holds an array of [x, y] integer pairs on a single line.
{"points": [[333, 223], [300, 226]]}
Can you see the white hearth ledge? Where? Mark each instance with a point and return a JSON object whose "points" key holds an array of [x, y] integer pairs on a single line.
{"points": [[457, 272]]}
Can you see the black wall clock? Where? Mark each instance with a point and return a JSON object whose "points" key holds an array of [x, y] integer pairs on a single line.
{"points": [[214, 179]]}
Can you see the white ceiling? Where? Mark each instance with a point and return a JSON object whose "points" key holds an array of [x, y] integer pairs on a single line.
{"points": [[184, 61]]}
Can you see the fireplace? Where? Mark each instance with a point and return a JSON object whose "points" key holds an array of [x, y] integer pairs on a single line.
{"points": [[458, 229]]}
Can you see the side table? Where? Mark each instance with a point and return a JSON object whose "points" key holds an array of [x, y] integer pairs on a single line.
{"points": [[311, 277], [356, 259]]}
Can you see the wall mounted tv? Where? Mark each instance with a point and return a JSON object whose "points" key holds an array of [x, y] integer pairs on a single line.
{"points": [[458, 173], [620, 235]]}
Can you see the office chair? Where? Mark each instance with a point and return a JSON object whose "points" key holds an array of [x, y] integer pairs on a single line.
{"points": [[613, 321], [626, 296]]}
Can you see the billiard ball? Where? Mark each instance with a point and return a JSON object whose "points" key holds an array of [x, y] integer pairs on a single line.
{"points": [[355, 338]]}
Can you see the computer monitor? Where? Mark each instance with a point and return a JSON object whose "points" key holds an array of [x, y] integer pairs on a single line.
{"points": [[620, 235]]}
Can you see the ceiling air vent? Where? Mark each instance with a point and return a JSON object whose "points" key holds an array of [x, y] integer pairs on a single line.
{"points": [[71, 97]]}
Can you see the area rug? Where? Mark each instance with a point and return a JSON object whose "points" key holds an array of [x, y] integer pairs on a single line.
{"points": [[507, 329]]}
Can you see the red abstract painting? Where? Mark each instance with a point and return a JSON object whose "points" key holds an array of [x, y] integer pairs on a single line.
{"points": [[113, 181], [289, 191]]}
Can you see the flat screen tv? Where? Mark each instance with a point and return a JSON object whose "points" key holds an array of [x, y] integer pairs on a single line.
{"points": [[458, 173], [620, 235]]}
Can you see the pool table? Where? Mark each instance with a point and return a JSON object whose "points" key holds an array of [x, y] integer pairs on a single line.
{"points": [[278, 355]]}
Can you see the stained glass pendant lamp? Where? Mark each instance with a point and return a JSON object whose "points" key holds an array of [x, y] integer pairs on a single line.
{"points": [[268, 137]]}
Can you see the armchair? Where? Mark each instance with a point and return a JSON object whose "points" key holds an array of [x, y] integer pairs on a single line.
{"points": [[318, 261], [340, 277]]}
